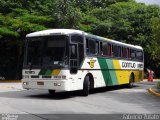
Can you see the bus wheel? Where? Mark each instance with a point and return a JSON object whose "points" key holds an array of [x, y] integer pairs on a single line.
{"points": [[51, 92], [86, 86], [131, 81]]}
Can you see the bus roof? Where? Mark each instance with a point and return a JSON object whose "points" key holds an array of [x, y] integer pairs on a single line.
{"points": [[54, 31], [71, 31], [113, 41]]}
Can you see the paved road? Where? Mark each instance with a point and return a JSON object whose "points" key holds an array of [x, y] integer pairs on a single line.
{"points": [[112, 100]]}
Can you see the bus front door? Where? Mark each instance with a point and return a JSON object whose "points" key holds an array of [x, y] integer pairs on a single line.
{"points": [[74, 58]]}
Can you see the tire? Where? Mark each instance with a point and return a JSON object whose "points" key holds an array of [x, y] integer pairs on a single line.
{"points": [[86, 86], [51, 92], [131, 81]]}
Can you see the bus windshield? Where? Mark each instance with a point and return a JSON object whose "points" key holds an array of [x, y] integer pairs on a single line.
{"points": [[48, 51]]}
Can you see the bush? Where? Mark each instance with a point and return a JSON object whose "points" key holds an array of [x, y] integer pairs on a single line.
{"points": [[158, 85]]}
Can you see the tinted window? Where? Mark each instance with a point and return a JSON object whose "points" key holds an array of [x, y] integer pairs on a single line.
{"points": [[77, 38], [119, 51], [73, 52], [91, 46], [109, 49], [81, 53], [115, 51], [139, 55], [46, 51], [125, 52], [34, 53], [97, 47], [133, 54], [104, 48]]}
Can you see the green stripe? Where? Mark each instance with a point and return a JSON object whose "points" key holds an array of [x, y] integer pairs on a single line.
{"points": [[112, 72], [108, 71], [42, 72], [48, 72], [105, 73], [45, 72]]}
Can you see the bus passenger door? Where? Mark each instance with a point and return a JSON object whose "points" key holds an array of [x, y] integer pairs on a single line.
{"points": [[73, 58], [76, 52]]}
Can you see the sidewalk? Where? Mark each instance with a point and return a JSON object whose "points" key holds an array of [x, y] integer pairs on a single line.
{"points": [[7, 87], [146, 82], [153, 90]]}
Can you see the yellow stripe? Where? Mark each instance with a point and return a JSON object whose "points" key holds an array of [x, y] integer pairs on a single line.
{"points": [[56, 71], [122, 75]]}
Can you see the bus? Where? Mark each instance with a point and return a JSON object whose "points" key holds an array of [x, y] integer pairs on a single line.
{"points": [[69, 60]]}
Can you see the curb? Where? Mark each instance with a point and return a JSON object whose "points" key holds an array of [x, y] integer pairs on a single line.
{"points": [[150, 90], [11, 87], [10, 81]]}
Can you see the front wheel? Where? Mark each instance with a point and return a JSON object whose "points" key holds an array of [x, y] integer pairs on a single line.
{"points": [[51, 92], [86, 86]]}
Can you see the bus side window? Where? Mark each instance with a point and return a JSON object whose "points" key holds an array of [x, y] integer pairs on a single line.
{"points": [[97, 48], [116, 50], [139, 55], [123, 52], [109, 49], [90, 46], [87, 46], [77, 38], [101, 50], [119, 51], [128, 52], [104, 48], [133, 54]]}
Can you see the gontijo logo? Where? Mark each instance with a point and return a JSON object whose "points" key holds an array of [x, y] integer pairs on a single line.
{"points": [[91, 63], [131, 65], [128, 65]]}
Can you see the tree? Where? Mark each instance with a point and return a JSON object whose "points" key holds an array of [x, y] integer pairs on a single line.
{"points": [[122, 20], [13, 28], [154, 47]]}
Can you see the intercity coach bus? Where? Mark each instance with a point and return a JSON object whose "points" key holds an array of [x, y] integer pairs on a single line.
{"points": [[68, 60]]}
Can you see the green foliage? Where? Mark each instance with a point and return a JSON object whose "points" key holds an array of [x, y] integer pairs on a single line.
{"points": [[7, 32], [65, 13], [154, 47], [156, 29], [122, 20], [158, 85], [88, 23]]}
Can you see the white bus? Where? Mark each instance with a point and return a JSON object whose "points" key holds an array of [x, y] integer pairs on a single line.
{"points": [[68, 60]]}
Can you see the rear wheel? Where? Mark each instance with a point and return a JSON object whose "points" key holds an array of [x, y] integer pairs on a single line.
{"points": [[86, 86], [51, 92], [131, 81]]}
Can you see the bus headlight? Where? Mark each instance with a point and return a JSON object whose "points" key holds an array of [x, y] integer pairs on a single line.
{"points": [[25, 83], [57, 84]]}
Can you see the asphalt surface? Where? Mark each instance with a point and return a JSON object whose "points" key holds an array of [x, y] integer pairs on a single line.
{"points": [[111, 103]]}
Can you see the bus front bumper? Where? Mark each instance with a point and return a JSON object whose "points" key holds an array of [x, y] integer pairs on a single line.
{"points": [[63, 85]]}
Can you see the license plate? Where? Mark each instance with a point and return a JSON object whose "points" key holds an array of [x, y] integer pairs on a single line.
{"points": [[40, 83]]}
